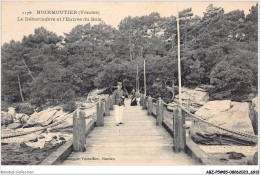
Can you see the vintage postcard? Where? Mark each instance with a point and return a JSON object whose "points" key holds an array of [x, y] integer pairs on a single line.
{"points": [[149, 83]]}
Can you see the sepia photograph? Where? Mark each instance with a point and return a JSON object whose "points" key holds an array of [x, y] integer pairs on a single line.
{"points": [[147, 83]]}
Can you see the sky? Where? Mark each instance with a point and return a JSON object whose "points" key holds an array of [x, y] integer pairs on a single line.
{"points": [[110, 12]]}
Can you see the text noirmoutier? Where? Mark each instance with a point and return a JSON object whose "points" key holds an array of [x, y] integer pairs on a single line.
{"points": [[63, 18]]}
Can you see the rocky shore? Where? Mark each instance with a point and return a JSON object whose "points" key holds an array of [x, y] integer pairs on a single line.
{"points": [[44, 135]]}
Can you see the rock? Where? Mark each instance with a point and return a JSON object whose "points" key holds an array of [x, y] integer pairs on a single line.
{"points": [[188, 124], [253, 160], [61, 138], [48, 137], [11, 110], [22, 118], [19, 116], [254, 114], [53, 144], [6, 118], [196, 96], [34, 118], [15, 125], [39, 144], [25, 118], [223, 160], [235, 155], [59, 116], [193, 98], [239, 119], [34, 139], [55, 141], [68, 122], [26, 125], [45, 139], [43, 118], [212, 108], [93, 95], [47, 117], [226, 114], [41, 137]]}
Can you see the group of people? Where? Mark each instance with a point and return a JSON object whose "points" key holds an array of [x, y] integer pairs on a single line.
{"points": [[119, 98]]}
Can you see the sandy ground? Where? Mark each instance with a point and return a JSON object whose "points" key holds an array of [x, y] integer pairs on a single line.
{"points": [[246, 150]]}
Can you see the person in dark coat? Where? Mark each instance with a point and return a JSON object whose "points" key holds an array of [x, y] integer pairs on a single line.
{"points": [[133, 99]]}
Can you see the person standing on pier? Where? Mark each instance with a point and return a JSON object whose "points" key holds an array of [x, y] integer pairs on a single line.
{"points": [[119, 97], [133, 98]]}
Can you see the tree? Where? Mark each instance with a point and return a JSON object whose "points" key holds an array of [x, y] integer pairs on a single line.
{"points": [[216, 49], [234, 77], [87, 52], [51, 86], [14, 72], [185, 16], [251, 26]]}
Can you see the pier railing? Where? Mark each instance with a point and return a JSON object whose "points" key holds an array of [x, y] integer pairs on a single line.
{"points": [[103, 107], [173, 117]]}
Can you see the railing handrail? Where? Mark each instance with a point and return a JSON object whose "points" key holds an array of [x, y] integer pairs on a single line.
{"points": [[193, 116]]}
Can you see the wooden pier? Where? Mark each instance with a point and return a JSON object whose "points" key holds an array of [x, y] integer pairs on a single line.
{"points": [[139, 141]]}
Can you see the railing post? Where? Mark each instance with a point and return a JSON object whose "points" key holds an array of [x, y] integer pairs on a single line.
{"points": [[179, 130], [111, 102], [100, 113], [79, 131], [150, 105], [107, 113], [159, 112], [103, 107], [144, 102], [141, 99]]}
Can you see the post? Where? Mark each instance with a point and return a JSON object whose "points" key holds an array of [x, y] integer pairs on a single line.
{"points": [[137, 90], [179, 130], [137, 80], [144, 80], [104, 107], [79, 131], [107, 113], [144, 102], [150, 105], [100, 112], [173, 92], [179, 59], [141, 100], [159, 112], [111, 102]]}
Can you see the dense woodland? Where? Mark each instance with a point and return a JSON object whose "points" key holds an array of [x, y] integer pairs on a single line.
{"points": [[218, 49]]}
